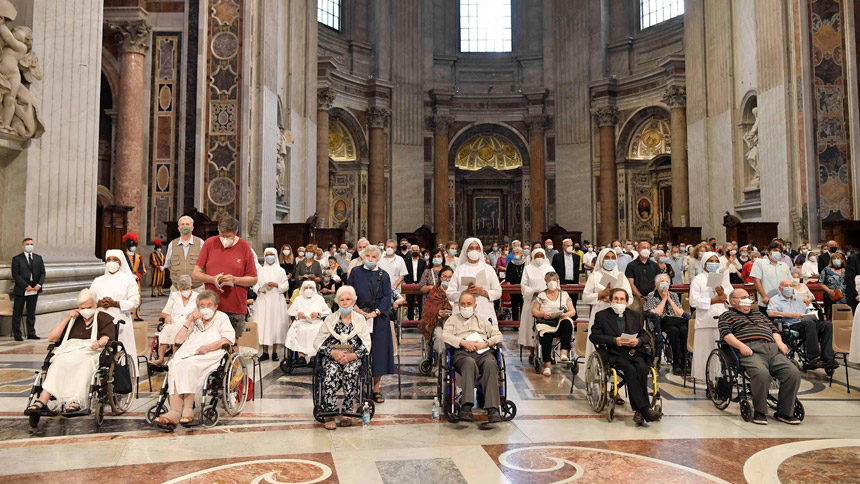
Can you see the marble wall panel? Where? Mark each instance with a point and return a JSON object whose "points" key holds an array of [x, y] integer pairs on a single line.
{"points": [[774, 156]]}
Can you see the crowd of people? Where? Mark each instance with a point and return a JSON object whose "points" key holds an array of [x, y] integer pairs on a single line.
{"points": [[338, 302]]}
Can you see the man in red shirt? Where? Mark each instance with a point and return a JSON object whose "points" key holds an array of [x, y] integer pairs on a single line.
{"points": [[226, 265]]}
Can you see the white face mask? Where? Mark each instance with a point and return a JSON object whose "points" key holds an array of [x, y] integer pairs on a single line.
{"points": [[207, 313], [308, 293], [112, 267], [550, 247], [226, 242], [569, 250], [539, 261], [745, 303], [286, 251], [474, 255], [389, 252], [644, 253], [618, 308], [552, 285], [467, 312], [87, 313], [185, 293]]}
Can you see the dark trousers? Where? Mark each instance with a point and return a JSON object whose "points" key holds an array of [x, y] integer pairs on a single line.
{"points": [[767, 361], [471, 366], [516, 306], [564, 332], [18, 310], [818, 336], [413, 302], [676, 332], [635, 371]]}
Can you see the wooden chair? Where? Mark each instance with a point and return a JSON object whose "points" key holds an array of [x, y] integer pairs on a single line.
{"points": [[581, 343], [5, 305], [140, 343], [842, 327], [251, 339], [691, 339], [685, 303]]}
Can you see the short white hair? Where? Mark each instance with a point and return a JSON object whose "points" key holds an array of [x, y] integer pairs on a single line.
{"points": [[345, 290], [660, 276], [566, 241], [183, 281], [86, 295], [186, 217], [370, 248]]}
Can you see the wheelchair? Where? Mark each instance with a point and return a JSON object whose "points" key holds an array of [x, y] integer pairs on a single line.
{"points": [[102, 392], [219, 385], [365, 388], [662, 350], [429, 355], [153, 350], [602, 383], [538, 362], [291, 360], [449, 396], [727, 383], [793, 337]]}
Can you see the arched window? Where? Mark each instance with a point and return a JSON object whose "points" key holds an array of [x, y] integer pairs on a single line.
{"points": [[485, 25], [328, 13], [653, 12]]}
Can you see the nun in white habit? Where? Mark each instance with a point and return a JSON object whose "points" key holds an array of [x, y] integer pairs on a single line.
{"points": [[596, 294], [485, 288], [270, 309], [309, 309], [532, 284], [118, 294], [710, 302]]}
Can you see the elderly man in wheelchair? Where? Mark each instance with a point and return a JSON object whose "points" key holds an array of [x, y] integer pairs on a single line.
{"points": [[762, 356], [473, 337], [816, 335]]}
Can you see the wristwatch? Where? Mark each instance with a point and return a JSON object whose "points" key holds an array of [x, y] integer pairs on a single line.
{"points": [[377, 311]]}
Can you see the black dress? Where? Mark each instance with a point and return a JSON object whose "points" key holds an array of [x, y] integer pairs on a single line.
{"points": [[381, 347], [514, 275]]}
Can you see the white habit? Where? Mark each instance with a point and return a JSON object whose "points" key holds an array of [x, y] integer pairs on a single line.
{"points": [[188, 370]]}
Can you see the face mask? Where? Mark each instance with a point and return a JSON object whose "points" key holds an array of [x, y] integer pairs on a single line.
{"points": [[812, 258], [665, 260], [539, 261], [474, 255], [286, 251], [787, 291], [495, 249], [300, 254], [426, 257], [591, 249], [226, 242], [369, 265], [805, 251], [712, 266], [308, 293], [467, 312], [618, 308], [663, 286], [185, 293], [832, 250], [837, 263], [526, 252], [382, 248], [132, 249], [518, 257], [326, 279], [87, 313], [610, 264], [569, 250], [745, 303], [345, 311], [29, 249], [617, 250], [744, 255], [552, 285], [787, 247], [270, 259], [207, 313], [403, 248], [389, 251], [112, 267], [415, 255], [452, 252], [437, 261], [629, 247], [549, 247], [795, 280], [342, 251], [158, 249], [444, 284], [775, 256], [644, 253], [185, 230]]}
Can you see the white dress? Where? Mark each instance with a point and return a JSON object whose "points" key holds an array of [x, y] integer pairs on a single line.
{"points": [[484, 306], [123, 288], [270, 308], [854, 355], [187, 370], [706, 325], [593, 288], [72, 367], [531, 285], [302, 332], [179, 313]]}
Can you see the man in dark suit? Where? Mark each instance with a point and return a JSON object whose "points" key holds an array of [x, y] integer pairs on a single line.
{"points": [[628, 356], [566, 264], [415, 266], [852, 270], [28, 270]]}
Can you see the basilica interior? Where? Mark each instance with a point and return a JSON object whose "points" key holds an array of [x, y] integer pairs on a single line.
{"points": [[431, 120]]}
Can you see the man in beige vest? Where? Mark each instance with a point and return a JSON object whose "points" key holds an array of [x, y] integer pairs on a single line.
{"points": [[182, 254]]}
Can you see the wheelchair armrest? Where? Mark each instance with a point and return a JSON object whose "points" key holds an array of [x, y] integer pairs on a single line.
{"points": [[51, 347], [227, 347]]}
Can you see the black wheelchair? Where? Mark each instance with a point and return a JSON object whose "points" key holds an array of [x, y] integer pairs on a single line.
{"points": [[365, 388], [153, 349], [291, 360], [662, 350], [111, 384], [727, 383], [603, 382], [429, 355], [793, 335], [538, 362], [227, 384], [449, 395]]}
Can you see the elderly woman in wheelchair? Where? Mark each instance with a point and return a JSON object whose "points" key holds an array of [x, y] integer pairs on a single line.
{"points": [[201, 337], [622, 345], [77, 344]]}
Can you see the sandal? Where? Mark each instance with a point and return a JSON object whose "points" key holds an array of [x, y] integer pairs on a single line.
{"points": [[72, 407], [186, 420], [330, 424], [378, 398], [164, 423], [36, 408]]}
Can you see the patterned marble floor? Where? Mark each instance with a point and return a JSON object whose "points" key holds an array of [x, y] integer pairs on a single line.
{"points": [[554, 438]]}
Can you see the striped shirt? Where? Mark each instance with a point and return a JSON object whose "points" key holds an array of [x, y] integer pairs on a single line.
{"points": [[746, 327]]}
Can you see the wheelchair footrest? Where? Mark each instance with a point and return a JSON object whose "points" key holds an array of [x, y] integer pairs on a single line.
{"points": [[77, 413]]}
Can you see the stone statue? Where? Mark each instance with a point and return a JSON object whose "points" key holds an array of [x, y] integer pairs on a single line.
{"points": [[285, 140], [19, 67], [751, 139], [730, 220]]}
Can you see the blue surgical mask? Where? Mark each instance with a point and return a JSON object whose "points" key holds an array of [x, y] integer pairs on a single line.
{"points": [[29, 249], [665, 260], [526, 252], [270, 259], [369, 265], [345, 311], [342, 251], [437, 261], [837, 263], [326, 279], [664, 285], [712, 266], [444, 284], [610, 264], [452, 252], [775, 256], [495, 249], [744, 255], [788, 291]]}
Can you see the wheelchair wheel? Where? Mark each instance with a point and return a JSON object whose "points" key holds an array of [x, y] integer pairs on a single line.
{"points": [[209, 416], [452, 415], [34, 420], [657, 404], [234, 395], [99, 413], [610, 410], [509, 410], [746, 410], [595, 382], [799, 412], [425, 366], [828, 371], [719, 379], [119, 403], [318, 414], [286, 365], [153, 413]]}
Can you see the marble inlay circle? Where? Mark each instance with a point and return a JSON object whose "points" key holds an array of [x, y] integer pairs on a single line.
{"points": [[163, 178], [796, 461], [164, 97], [222, 191], [267, 471], [225, 45], [824, 465]]}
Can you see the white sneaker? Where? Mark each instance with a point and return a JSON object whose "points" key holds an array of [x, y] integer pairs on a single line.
{"points": [[547, 372], [565, 358]]}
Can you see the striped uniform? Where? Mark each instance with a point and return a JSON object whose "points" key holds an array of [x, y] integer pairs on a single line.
{"points": [[156, 278], [135, 262]]}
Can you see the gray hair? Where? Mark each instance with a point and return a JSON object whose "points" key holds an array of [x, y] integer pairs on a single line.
{"points": [[186, 217], [550, 275], [660, 276], [566, 241], [345, 290], [86, 295], [391, 241], [228, 225], [208, 295], [370, 248], [183, 282]]}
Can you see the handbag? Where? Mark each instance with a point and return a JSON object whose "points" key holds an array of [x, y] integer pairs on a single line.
{"points": [[837, 295], [552, 322], [122, 376]]}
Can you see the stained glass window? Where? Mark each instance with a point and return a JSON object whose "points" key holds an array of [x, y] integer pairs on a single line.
{"points": [[328, 13], [485, 25], [653, 12]]}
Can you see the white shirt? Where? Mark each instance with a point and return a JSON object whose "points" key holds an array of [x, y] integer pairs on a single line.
{"points": [[568, 266], [415, 274], [395, 266], [185, 248]]}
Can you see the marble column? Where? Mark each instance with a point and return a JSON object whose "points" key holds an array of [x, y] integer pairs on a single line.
{"points": [[537, 187], [377, 118], [676, 98], [133, 37], [440, 177], [325, 98], [607, 230]]}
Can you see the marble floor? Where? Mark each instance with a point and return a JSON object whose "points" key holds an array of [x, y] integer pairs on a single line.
{"points": [[554, 438]]}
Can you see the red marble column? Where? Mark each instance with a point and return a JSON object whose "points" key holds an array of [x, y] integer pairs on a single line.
{"points": [[607, 230], [325, 98], [676, 98], [537, 191], [376, 118], [440, 177]]}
